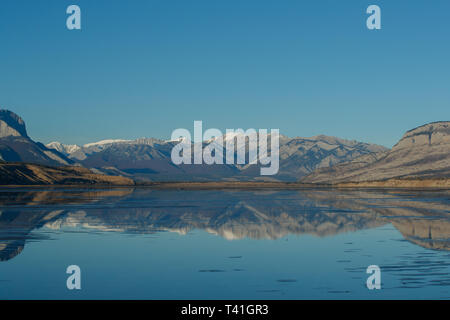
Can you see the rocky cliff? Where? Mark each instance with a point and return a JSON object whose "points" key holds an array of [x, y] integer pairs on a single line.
{"points": [[11, 125], [422, 153], [16, 145]]}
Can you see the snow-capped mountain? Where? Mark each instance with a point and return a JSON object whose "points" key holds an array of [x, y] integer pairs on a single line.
{"points": [[79, 153], [66, 149], [149, 158]]}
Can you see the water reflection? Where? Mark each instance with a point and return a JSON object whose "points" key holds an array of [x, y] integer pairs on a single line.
{"points": [[423, 218]]}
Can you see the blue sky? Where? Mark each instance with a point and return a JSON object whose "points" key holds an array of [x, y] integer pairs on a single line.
{"points": [[144, 68]]}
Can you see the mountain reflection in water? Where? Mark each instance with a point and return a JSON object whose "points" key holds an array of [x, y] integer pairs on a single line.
{"points": [[422, 218]]}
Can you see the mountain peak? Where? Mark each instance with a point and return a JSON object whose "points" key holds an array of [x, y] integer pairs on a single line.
{"points": [[429, 134], [65, 149], [11, 124]]}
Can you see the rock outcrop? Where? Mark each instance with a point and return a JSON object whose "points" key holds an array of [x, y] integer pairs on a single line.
{"points": [[11, 125], [423, 153]]}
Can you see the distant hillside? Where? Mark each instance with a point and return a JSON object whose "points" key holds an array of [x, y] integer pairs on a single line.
{"points": [[423, 153], [34, 174]]}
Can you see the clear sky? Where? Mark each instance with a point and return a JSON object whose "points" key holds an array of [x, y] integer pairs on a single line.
{"points": [[145, 67]]}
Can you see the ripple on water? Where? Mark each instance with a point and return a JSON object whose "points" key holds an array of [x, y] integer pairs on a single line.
{"points": [[286, 280]]}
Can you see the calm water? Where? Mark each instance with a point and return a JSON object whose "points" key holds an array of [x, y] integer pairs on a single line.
{"points": [[153, 244]]}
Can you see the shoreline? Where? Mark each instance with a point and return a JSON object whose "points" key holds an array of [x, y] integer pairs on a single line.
{"points": [[414, 184]]}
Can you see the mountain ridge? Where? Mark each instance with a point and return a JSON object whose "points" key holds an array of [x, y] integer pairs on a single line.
{"points": [[421, 153], [298, 157]]}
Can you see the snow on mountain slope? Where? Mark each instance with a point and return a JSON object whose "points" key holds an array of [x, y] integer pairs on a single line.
{"points": [[151, 158], [66, 149], [105, 142]]}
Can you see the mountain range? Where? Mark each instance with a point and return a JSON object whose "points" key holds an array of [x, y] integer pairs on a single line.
{"points": [[150, 159], [422, 153]]}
